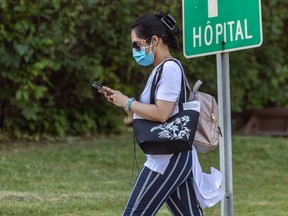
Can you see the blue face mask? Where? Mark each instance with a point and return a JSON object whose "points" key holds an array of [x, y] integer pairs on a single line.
{"points": [[142, 58]]}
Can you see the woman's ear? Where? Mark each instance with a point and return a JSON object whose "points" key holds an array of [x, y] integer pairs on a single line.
{"points": [[155, 40]]}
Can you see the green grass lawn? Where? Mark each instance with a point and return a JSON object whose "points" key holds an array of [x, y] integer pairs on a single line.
{"points": [[92, 177]]}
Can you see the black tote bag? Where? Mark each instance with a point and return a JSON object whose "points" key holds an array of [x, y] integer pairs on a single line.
{"points": [[177, 133]]}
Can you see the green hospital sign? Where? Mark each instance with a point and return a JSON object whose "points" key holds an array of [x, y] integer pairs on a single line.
{"points": [[215, 26]]}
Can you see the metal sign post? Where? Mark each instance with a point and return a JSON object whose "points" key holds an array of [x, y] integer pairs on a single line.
{"points": [[225, 145], [219, 27]]}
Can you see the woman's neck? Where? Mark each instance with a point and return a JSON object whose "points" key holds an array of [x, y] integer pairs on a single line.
{"points": [[160, 57]]}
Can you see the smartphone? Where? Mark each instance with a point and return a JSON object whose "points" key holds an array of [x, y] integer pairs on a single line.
{"points": [[100, 87]]}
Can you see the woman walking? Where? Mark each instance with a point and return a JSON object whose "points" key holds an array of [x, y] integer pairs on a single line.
{"points": [[164, 178]]}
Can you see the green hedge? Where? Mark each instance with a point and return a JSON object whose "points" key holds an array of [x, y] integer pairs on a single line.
{"points": [[51, 51]]}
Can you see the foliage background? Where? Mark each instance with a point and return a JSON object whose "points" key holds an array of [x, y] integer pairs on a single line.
{"points": [[52, 50]]}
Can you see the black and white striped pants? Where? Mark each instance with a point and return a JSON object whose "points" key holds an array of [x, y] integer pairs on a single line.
{"points": [[174, 187]]}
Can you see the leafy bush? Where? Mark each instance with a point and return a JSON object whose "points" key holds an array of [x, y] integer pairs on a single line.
{"points": [[51, 51]]}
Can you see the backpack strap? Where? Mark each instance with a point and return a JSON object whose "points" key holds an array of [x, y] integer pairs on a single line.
{"points": [[197, 86], [193, 94]]}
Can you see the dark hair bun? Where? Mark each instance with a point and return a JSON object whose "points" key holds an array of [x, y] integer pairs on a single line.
{"points": [[161, 25]]}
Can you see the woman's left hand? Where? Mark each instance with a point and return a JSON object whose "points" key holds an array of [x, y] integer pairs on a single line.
{"points": [[116, 97]]}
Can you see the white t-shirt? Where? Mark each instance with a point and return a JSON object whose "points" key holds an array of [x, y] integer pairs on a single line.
{"points": [[168, 89]]}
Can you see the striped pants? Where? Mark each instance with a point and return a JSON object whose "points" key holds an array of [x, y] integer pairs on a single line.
{"points": [[174, 187]]}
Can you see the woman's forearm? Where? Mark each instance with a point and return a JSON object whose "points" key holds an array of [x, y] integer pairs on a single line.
{"points": [[159, 112]]}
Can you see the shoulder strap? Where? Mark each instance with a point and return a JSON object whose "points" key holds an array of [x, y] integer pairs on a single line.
{"points": [[157, 78], [155, 82]]}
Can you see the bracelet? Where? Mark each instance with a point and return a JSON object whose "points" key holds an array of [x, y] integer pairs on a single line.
{"points": [[128, 104]]}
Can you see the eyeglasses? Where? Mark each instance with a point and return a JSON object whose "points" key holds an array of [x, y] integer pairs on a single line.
{"points": [[137, 44]]}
